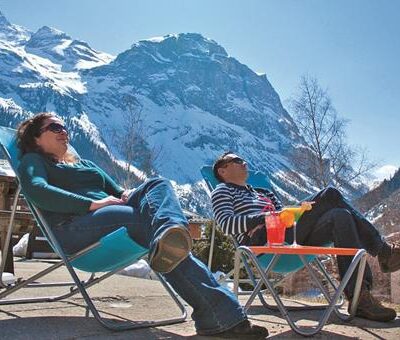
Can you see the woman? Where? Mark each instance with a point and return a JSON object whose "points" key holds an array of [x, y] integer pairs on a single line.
{"points": [[82, 203]]}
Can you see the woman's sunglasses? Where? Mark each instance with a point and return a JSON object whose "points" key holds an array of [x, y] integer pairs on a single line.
{"points": [[55, 128]]}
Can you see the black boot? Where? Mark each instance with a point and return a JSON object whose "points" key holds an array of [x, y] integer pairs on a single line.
{"points": [[389, 258]]}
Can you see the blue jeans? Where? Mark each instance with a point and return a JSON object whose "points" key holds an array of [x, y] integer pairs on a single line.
{"points": [[333, 219], [152, 208]]}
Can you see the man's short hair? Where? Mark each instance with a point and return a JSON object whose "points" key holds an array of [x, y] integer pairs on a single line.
{"points": [[219, 162]]}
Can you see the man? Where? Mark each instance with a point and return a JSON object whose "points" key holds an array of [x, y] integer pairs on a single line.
{"points": [[240, 210]]}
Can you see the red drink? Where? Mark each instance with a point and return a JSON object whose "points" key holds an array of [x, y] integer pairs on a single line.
{"points": [[275, 230]]}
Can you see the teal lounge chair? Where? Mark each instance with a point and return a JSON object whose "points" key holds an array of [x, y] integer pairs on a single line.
{"points": [[274, 261], [110, 254]]}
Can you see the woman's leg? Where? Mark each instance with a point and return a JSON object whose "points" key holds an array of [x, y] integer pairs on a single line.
{"points": [[215, 309]]}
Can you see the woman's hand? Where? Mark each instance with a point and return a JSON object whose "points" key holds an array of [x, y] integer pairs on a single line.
{"points": [[125, 195], [110, 200]]}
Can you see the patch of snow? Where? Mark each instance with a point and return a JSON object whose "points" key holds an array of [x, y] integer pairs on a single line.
{"points": [[156, 39], [140, 269], [59, 49], [87, 64]]}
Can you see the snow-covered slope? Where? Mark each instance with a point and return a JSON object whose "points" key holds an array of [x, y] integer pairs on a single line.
{"points": [[58, 47]]}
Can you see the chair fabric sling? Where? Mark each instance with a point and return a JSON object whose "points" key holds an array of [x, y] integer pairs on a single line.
{"points": [[110, 254], [286, 260]]}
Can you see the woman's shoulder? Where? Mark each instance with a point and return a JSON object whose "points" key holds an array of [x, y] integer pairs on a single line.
{"points": [[31, 159]]}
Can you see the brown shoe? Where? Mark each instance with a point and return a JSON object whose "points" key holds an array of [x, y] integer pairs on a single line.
{"points": [[371, 309], [389, 258], [170, 249]]}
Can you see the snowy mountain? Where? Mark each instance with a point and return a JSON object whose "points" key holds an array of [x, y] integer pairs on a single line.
{"points": [[59, 48], [190, 101]]}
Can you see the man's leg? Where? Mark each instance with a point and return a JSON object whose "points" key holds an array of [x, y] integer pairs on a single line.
{"points": [[331, 198], [338, 226]]}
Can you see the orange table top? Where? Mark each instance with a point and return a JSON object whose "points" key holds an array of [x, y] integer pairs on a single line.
{"points": [[303, 250]]}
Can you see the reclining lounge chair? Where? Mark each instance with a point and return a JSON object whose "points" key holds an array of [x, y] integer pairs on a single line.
{"points": [[287, 260], [110, 254]]}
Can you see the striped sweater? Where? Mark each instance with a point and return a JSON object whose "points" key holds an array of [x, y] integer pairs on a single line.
{"points": [[239, 209]]}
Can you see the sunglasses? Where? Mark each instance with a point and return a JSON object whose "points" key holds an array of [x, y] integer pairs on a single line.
{"points": [[236, 160], [55, 128]]}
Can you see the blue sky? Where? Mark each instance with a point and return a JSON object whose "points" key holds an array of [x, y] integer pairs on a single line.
{"points": [[352, 47]]}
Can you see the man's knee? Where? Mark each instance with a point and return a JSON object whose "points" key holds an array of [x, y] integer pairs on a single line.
{"points": [[332, 193], [342, 218]]}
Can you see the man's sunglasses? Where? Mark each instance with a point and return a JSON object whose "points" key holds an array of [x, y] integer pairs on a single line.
{"points": [[236, 160], [55, 128]]}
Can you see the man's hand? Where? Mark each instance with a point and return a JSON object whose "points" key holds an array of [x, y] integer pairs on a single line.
{"points": [[110, 200], [307, 205]]}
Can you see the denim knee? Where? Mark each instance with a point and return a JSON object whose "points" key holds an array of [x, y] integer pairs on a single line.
{"points": [[154, 181]]}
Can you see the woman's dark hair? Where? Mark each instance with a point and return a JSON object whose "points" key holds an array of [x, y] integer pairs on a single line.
{"points": [[219, 162], [29, 130]]}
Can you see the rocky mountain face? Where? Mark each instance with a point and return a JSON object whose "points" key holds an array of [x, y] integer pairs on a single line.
{"points": [[180, 99], [382, 205], [383, 191], [386, 214]]}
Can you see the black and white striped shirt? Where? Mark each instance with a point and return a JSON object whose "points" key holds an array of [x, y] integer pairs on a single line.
{"points": [[239, 209]]}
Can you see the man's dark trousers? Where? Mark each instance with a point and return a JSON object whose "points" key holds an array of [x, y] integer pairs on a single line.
{"points": [[333, 219]]}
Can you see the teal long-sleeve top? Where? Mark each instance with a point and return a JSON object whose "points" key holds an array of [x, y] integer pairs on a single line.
{"points": [[63, 191]]}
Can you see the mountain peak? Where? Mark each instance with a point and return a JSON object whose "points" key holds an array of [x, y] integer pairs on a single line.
{"points": [[3, 20], [12, 33], [46, 37], [184, 43], [47, 32]]}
